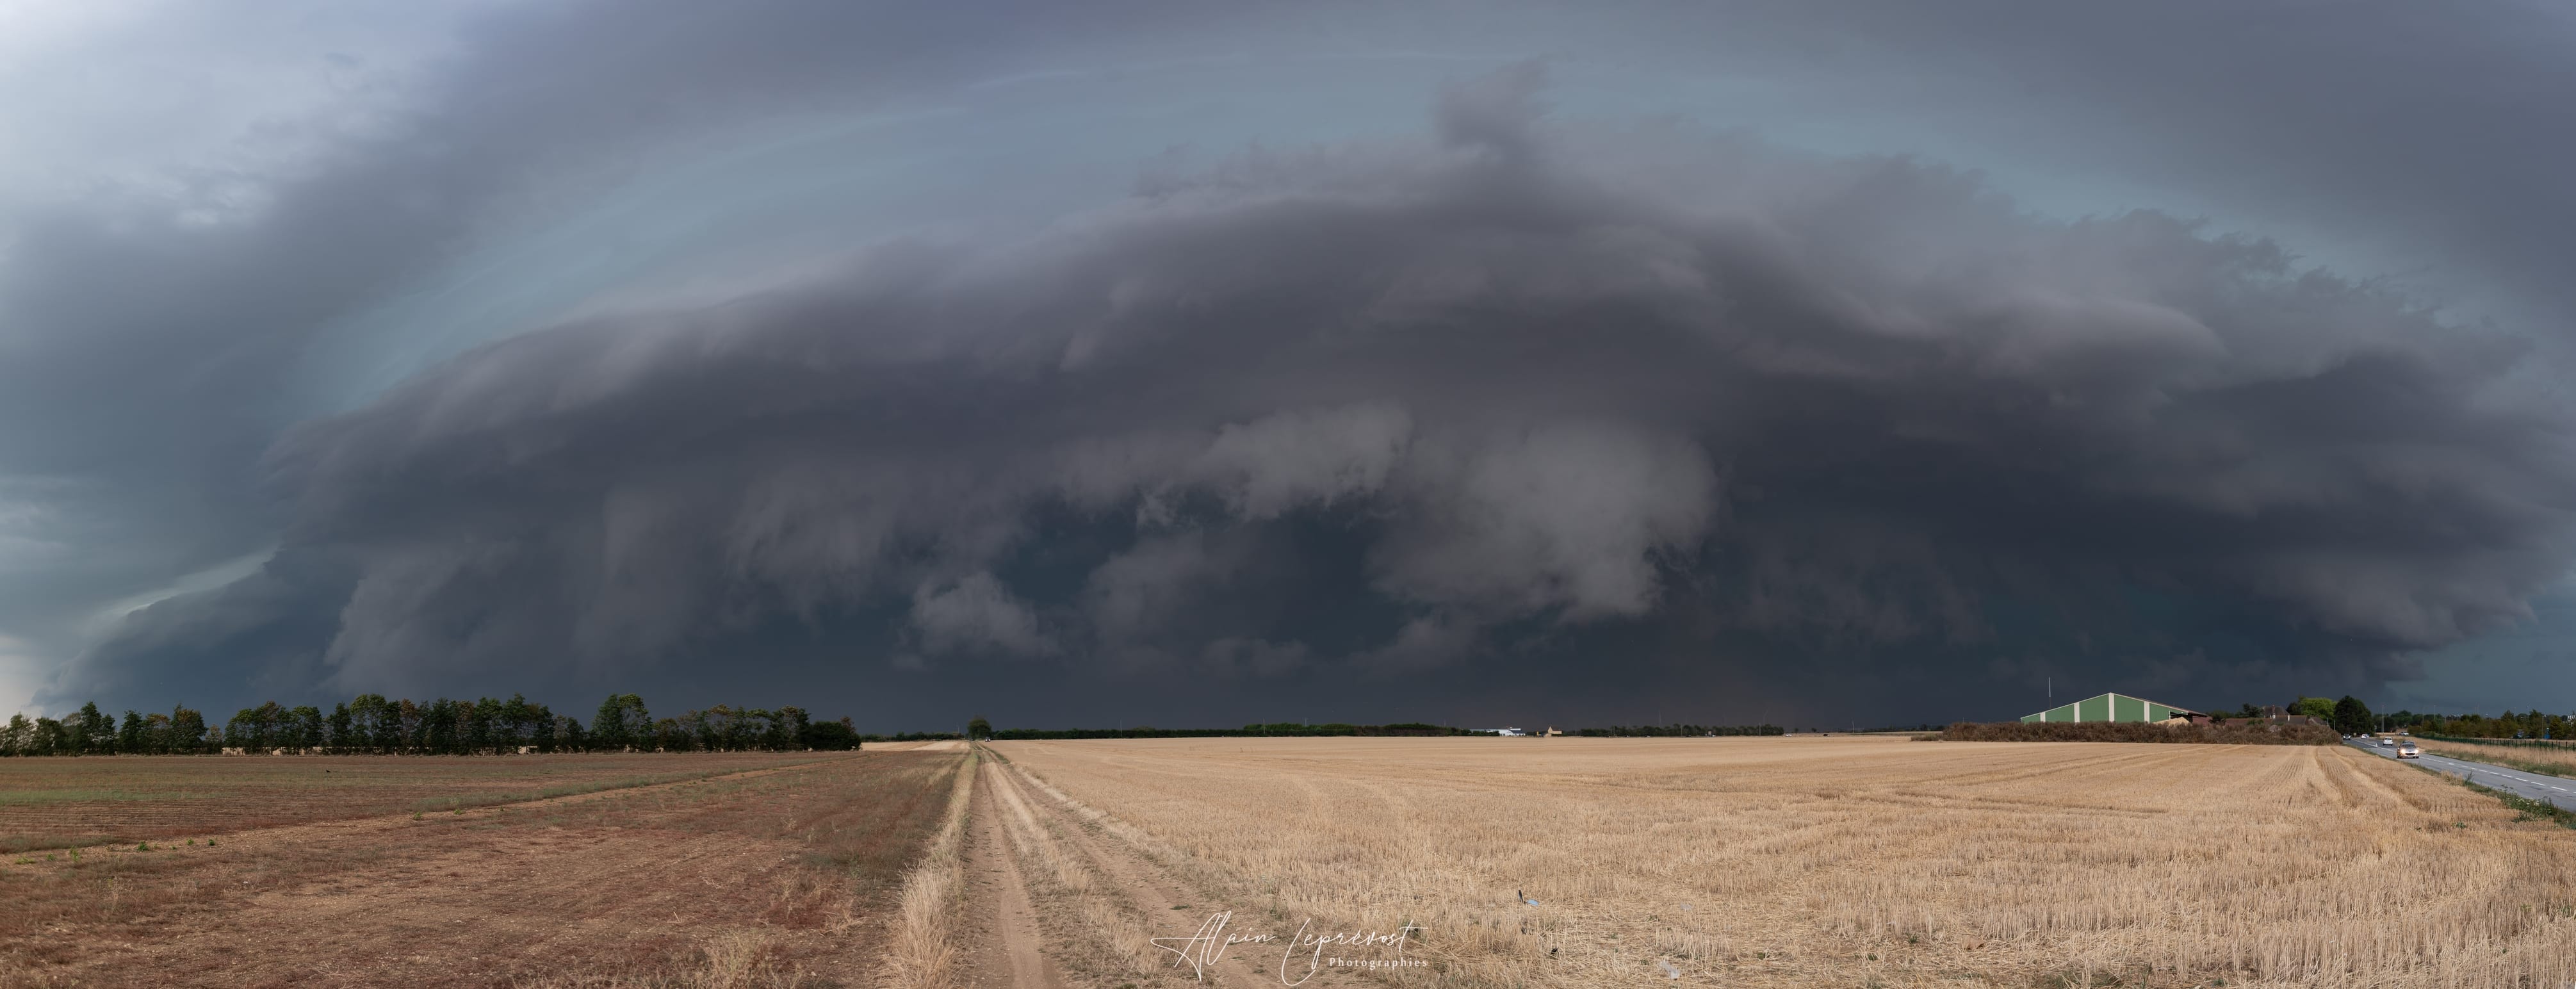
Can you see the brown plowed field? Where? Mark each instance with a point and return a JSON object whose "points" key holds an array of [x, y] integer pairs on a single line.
{"points": [[62, 802], [775, 876]]}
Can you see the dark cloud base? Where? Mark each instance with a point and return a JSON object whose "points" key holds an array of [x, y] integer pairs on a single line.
{"points": [[1531, 421]]}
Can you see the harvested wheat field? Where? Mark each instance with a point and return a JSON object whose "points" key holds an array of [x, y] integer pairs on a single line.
{"points": [[1766, 862], [755, 872]]}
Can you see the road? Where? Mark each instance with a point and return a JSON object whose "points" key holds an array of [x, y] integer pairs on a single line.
{"points": [[2556, 791]]}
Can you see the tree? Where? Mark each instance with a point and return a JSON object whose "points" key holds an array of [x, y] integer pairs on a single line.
{"points": [[438, 727], [481, 721], [979, 728], [729, 726], [382, 721], [130, 737], [300, 727], [415, 725], [2315, 707], [19, 737], [49, 738], [574, 739], [608, 724], [343, 728], [621, 722], [261, 727], [669, 735], [702, 727], [92, 732], [514, 724], [2351, 716], [831, 736], [187, 730], [787, 728]]}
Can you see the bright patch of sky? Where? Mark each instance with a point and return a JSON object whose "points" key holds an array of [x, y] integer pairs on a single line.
{"points": [[202, 580], [22, 671], [197, 106]]}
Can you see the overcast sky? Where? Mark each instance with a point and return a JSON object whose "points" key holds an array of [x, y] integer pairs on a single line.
{"points": [[1193, 364]]}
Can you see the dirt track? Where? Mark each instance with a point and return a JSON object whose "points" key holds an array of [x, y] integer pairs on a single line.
{"points": [[1003, 946], [1061, 894]]}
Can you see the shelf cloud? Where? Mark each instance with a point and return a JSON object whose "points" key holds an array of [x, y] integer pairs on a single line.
{"points": [[1531, 395]]}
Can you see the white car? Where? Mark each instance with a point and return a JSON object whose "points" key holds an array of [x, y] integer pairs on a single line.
{"points": [[2387, 742], [2407, 751]]}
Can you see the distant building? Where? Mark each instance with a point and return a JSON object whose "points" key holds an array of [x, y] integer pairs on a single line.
{"points": [[2119, 707]]}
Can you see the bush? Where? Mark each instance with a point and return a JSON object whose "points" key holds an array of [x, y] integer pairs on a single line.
{"points": [[831, 736], [2133, 731]]}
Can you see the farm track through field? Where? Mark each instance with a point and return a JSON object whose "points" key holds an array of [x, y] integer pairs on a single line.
{"points": [[660, 880], [1101, 897], [1003, 946]]}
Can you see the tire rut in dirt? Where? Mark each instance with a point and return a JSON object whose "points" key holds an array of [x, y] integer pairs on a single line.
{"points": [[1153, 890], [1003, 951]]}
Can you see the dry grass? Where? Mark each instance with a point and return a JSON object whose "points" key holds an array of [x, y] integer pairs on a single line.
{"points": [[771, 878], [733, 960], [920, 950], [2554, 760], [67, 802], [1862, 861]]}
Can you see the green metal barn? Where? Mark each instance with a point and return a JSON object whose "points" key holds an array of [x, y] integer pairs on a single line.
{"points": [[2113, 707]]}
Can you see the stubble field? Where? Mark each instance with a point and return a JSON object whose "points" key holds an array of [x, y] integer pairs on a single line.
{"points": [[1778, 862], [749, 871]]}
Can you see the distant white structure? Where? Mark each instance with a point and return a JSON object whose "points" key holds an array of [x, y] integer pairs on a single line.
{"points": [[1496, 731]]}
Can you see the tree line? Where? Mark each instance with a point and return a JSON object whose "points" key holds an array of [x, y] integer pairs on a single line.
{"points": [[2528, 725], [2350, 716], [981, 729], [372, 724], [1678, 731], [2264, 733]]}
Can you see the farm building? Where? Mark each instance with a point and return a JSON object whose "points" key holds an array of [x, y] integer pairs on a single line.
{"points": [[2116, 707]]}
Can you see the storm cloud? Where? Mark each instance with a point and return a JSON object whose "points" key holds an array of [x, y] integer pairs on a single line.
{"points": [[1531, 395]]}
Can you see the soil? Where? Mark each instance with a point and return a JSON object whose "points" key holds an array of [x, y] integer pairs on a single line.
{"points": [[649, 881], [66, 802], [1001, 936], [1038, 937]]}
